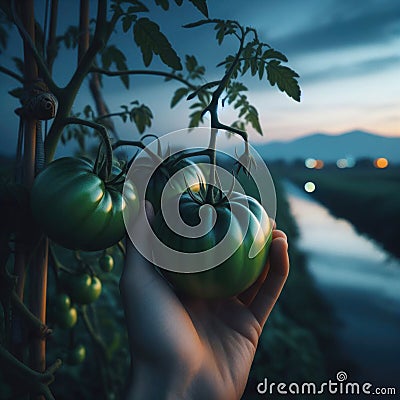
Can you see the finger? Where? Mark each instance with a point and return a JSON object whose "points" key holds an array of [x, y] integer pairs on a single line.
{"points": [[272, 286], [248, 295], [140, 281]]}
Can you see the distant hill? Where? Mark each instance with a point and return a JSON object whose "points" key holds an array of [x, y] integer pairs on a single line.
{"points": [[356, 144]]}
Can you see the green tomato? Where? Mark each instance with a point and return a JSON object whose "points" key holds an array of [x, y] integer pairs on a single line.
{"points": [[84, 289], [62, 302], [67, 318], [76, 355], [191, 177], [77, 209], [106, 262], [239, 271]]}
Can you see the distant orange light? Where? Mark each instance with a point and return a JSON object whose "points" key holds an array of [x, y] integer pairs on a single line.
{"points": [[319, 164], [381, 163]]}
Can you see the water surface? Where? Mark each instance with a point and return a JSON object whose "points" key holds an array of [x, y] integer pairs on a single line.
{"points": [[361, 282]]}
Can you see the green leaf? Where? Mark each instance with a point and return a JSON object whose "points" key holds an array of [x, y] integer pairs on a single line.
{"points": [[136, 7], [252, 117], [285, 78], [88, 111], [271, 53], [197, 23], [261, 69], [125, 80], [127, 21], [19, 64], [17, 92], [164, 4], [201, 5], [112, 55], [195, 119], [141, 116], [151, 41], [178, 95]]}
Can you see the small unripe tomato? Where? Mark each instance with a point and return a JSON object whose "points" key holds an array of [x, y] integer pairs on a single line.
{"points": [[76, 355], [84, 289], [106, 263], [67, 318]]}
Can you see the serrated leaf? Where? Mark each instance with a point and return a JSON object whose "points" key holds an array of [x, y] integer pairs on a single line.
{"points": [[141, 116], [179, 2], [190, 63], [151, 40], [164, 4], [284, 78], [271, 53], [178, 95], [252, 117], [195, 119], [201, 5]]}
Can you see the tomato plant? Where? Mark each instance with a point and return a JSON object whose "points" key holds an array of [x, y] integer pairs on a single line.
{"points": [[237, 272], [65, 315], [77, 205], [76, 208]]}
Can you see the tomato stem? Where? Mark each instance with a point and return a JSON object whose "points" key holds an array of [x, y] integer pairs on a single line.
{"points": [[139, 144], [213, 160], [102, 130]]}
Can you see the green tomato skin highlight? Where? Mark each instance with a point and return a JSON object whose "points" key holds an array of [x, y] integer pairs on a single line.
{"points": [[239, 271], [84, 289], [76, 209]]}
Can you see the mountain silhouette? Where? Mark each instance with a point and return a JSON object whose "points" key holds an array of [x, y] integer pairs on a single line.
{"points": [[356, 144]]}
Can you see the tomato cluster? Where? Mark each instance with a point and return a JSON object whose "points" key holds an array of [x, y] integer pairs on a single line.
{"points": [[65, 314], [79, 210]]}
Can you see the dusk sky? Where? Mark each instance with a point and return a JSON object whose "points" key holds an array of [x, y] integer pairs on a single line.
{"points": [[347, 53]]}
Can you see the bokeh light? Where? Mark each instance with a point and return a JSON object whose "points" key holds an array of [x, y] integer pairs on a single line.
{"points": [[309, 187], [310, 162], [341, 163], [381, 162], [319, 164]]}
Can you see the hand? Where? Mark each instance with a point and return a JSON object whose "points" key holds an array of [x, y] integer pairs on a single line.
{"points": [[183, 348]]}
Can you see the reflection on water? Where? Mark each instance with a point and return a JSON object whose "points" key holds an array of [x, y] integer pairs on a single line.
{"points": [[361, 282]]}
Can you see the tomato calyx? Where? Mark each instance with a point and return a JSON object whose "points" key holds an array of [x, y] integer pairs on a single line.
{"points": [[210, 194]]}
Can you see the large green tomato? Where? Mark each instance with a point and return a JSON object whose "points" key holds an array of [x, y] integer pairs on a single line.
{"points": [[239, 271], [77, 209], [83, 288], [192, 176]]}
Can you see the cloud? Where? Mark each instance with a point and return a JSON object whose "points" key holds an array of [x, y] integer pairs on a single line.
{"points": [[370, 66], [346, 26]]}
